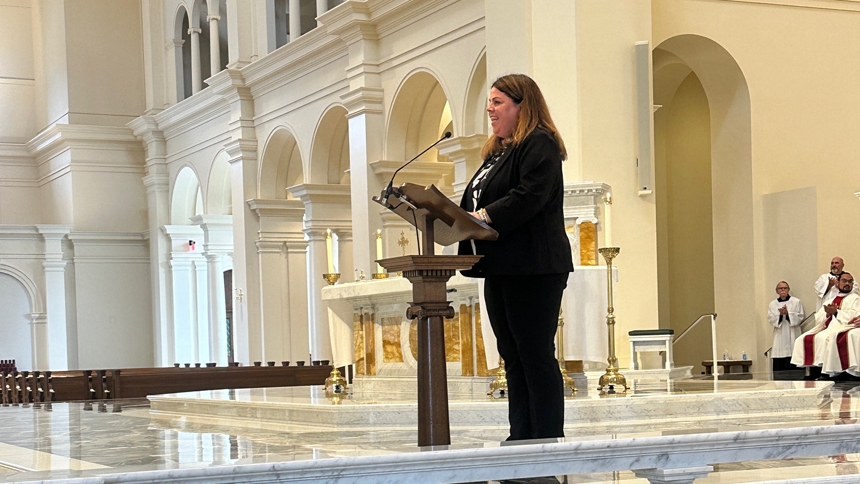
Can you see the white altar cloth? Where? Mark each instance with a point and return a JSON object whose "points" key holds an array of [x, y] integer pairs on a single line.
{"points": [[584, 311]]}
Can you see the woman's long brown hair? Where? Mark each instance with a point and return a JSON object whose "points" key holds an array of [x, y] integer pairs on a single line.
{"points": [[534, 113]]}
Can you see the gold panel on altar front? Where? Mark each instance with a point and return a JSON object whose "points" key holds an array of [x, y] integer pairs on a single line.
{"points": [[369, 344], [358, 343], [392, 350], [413, 338], [452, 338], [479, 344], [467, 362], [587, 244], [451, 329]]}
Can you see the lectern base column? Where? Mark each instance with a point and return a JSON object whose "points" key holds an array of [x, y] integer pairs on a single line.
{"points": [[433, 425]]}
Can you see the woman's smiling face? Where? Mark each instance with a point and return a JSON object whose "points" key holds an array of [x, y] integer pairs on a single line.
{"points": [[504, 113]]}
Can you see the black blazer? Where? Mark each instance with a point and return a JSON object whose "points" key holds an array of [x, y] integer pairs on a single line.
{"points": [[523, 195]]}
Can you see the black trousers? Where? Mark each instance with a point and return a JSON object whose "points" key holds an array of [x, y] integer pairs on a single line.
{"points": [[523, 311]]}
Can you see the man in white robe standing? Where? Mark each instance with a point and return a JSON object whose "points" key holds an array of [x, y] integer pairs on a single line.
{"points": [[825, 285], [785, 313], [833, 318]]}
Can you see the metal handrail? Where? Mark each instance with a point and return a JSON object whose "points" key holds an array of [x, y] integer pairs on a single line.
{"points": [[692, 325]]}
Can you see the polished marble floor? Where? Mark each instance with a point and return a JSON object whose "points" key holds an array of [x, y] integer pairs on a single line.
{"points": [[71, 441]]}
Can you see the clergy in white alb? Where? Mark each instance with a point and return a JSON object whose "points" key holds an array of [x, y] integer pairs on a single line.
{"points": [[825, 285], [833, 318], [785, 313]]}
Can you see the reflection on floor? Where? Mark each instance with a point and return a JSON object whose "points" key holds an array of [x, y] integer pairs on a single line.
{"points": [[68, 441]]}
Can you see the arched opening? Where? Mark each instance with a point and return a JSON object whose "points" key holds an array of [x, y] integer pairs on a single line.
{"points": [[219, 193], [182, 45], [703, 183], [16, 343], [281, 165], [475, 116], [187, 199], [419, 116], [330, 154], [202, 22]]}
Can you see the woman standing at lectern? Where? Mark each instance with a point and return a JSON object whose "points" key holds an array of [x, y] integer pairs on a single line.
{"points": [[519, 192]]}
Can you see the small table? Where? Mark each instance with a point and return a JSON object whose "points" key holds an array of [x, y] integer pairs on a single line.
{"points": [[729, 366]]}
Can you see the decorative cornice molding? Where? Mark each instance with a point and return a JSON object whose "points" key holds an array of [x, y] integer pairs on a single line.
{"points": [[277, 208], [838, 5], [363, 100], [321, 193], [60, 138], [191, 112]]}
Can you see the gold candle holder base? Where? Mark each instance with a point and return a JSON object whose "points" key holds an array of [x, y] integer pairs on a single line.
{"points": [[335, 384], [331, 278], [565, 378], [380, 275], [611, 379], [500, 383]]}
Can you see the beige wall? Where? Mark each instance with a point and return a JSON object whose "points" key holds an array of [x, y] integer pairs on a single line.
{"points": [[606, 33], [804, 107], [17, 85]]}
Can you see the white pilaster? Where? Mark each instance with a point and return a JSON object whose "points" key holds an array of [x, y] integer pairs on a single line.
{"points": [[184, 316], [300, 327], [282, 283], [214, 45], [217, 244], [157, 183], [326, 207], [242, 149], [55, 296], [319, 331], [196, 75], [39, 341]]}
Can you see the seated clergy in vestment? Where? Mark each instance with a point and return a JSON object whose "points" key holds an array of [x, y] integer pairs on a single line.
{"points": [[823, 345]]}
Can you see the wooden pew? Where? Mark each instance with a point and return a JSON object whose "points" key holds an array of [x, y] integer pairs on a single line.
{"points": [[101, 385]]}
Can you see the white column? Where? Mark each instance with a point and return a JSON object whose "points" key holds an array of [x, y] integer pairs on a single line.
{"points": [[39, 341], [217, 311], [295, 19], [196, 76], [183, 317], [200, 311], [320, 342], [214, 45], [322, 7]]}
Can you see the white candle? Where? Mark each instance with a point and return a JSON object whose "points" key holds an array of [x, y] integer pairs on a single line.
{"points": [[329, 252], [378, 250], [607, 219]]}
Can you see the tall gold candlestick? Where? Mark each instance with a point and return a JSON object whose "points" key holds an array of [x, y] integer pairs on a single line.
{"points": [[611, 378], [568, 381]]}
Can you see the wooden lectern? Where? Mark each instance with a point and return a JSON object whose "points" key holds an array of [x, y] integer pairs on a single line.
{"points": [[439, 220]]}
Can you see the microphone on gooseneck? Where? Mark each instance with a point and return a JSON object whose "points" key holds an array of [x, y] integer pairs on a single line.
{"points": [[383, 197]]}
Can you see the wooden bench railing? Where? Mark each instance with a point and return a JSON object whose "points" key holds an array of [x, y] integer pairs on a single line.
{"points": [[37, 388]]}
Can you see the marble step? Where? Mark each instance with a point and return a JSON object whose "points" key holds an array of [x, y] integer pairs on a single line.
{"points": [[645, 401]]}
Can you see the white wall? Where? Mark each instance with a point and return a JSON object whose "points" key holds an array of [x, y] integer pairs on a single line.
{"points": [[15, 323]]}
